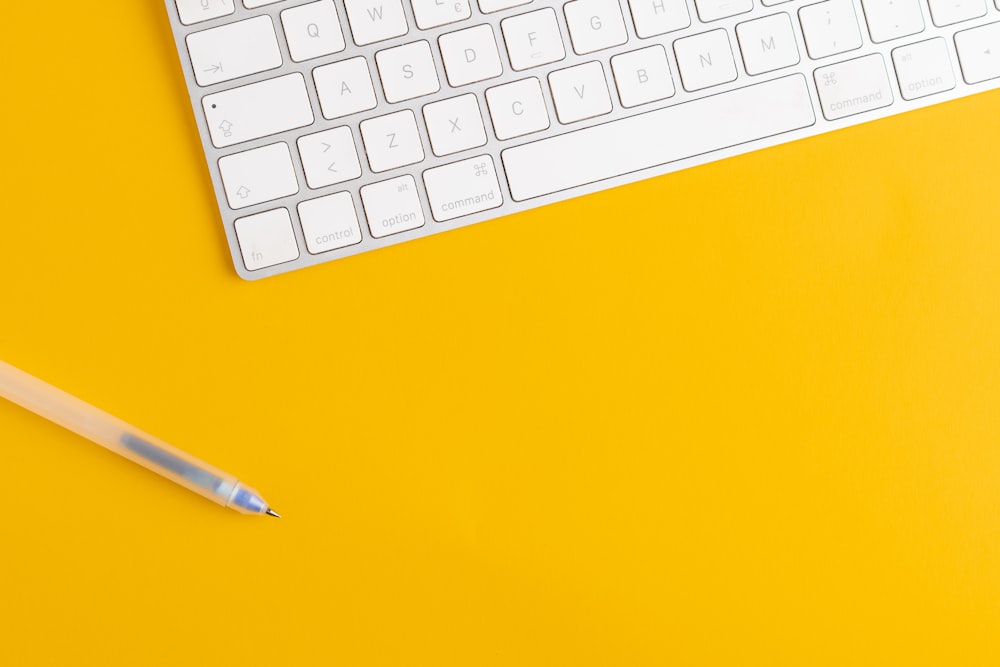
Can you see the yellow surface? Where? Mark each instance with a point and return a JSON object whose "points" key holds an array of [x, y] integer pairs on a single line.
{"points": [[742, 415]]}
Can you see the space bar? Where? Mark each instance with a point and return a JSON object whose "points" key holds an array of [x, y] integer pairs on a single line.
{"points": [[658, 137]]}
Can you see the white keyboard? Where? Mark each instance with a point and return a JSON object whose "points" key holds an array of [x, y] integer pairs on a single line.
{"points": [[333, 127]]}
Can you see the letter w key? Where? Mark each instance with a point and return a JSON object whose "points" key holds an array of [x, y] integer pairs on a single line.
{"points": [[375, 20]]}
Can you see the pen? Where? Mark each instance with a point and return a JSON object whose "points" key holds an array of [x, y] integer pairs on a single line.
{"points": [[83, 419]]}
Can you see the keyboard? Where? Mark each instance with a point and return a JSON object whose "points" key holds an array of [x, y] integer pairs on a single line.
{"points": [[334, 127]]}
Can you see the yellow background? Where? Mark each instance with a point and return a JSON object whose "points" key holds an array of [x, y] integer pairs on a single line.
{"points": [[742, 415]]}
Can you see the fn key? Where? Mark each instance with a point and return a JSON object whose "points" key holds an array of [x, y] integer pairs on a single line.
{"points": [[266, 239]]}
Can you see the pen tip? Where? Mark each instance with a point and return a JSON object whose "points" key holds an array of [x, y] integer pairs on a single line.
{"points": [[271, 512]]}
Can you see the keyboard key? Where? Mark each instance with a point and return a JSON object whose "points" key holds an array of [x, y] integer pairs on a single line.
{"points": [[892, 20], [979, 53], [392, 140], [375, 20], [345, 88], [713, 10], [595, 25], [656, 17], [947, 12], [580, 92], [517, 108], [830, 27], [490, 6], [853, 87], [266, 239], [329, 223], [463, 188], [455, 125], [434, 13], [642, 76], [533, 39], [196, 11], [258, 175], [768, 44], [258, 110], [313, 30], [658, 137], [231, 51], [407, 71], [329, 157], [705, 60], [470, 55], [923, 68], [392, 206]]}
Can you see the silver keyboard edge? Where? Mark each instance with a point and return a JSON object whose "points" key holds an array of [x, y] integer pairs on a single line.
{"points": [[495, 147]]}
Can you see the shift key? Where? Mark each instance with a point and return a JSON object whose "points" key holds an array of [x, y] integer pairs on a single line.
{"points": [[853, 87]]}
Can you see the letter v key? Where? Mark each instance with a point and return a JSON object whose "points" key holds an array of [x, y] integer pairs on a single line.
{"points": [[570, 88]]}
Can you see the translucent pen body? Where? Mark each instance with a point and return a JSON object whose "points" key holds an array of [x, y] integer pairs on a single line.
{"points": [[108, 431]]}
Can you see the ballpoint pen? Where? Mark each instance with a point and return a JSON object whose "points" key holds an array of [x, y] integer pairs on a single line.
{"points": [[100, 427]]}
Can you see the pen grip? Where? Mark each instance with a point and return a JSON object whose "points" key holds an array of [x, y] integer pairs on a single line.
{"points": [[108, 431]]}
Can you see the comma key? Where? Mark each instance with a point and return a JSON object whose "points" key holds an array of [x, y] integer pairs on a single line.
{"points": [[463, 188]]}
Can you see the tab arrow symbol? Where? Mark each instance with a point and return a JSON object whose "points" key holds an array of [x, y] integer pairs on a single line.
{"points": [[214, 69]]}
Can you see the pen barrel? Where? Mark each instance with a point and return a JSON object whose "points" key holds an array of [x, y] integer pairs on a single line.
{"points": [[108, 431]]}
